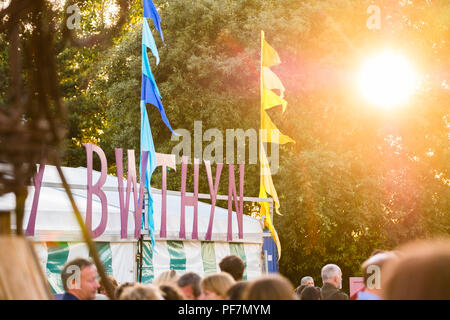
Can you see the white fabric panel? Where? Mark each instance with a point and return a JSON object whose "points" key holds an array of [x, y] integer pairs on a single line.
{"points": [[161, 258], [123, 261], [193, 252], [42, 255], [222, 249], [77, 250], [253, 257]]}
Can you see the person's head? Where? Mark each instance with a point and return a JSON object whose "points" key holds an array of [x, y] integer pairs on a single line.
{"points": [[122, 287], [309, 281], [215, 286], [141, 291], [171, 292], [420, 272], [377, 251], [332, 274], [102, 289], [79, 277], [372, 269], [169, 276], [271, 287], [238, 290], [311, 293], [189, 283], [234, 266], [299, 290]]}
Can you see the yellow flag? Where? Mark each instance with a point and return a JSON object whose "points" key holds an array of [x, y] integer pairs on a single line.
{"points": [[266, 182], [271, 99], [269, 55], [270, 131], [271, 81], [274, 236]]}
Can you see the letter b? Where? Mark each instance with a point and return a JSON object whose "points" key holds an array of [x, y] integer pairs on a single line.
{"points": [[96, 189]]}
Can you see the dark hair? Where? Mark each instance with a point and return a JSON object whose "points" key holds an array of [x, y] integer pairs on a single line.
{"points": [[234, 266], [78, 262], [238, 290], [120, 288], [171, 292], [270, 287], [113, 282], [311, 293], [191, 279], [299, 290]]}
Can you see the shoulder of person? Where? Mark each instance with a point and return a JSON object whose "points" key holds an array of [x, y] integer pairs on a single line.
{"points": [[339, 295]]}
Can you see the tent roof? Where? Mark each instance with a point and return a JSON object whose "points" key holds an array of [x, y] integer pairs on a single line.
{"points": [[56, 221]]}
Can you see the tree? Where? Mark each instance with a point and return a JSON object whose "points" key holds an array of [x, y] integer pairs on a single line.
{"points": [[356, 179]]}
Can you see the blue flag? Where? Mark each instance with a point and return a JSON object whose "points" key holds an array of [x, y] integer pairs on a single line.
{"points": [[151, 12], [150, 95], [147, 145], [147, 71], [148, 40]]}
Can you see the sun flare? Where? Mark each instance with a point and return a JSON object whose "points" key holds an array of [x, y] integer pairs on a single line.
{"points": [[387, 80]]}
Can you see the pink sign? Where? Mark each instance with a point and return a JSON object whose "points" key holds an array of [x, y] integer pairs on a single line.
{"points": [[163, 160], [356, 284]]}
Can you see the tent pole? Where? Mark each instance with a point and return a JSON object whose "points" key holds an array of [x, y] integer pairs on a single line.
{"points": [[141, 256]]}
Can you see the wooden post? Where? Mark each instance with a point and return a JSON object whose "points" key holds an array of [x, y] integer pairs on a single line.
{"points": [[5, 222]]}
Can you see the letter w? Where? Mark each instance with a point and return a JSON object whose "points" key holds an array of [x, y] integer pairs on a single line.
{"points": [[131, 182]]}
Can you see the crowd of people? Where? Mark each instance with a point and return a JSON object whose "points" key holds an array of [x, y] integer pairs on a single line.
{"points": [[418, 271]]}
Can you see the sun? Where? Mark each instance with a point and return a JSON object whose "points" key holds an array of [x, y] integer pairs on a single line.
{"points": [[387, 80]]}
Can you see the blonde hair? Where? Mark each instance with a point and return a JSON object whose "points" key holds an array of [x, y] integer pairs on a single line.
{"points": [[273, 287], [167, 277], [219, 283], [141, 292]]}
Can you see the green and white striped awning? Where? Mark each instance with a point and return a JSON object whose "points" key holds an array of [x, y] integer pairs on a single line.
{"points": [[119, 258], [201, 257]]}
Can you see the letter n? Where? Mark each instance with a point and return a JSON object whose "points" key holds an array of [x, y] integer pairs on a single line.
{"points": [[232, 193]]}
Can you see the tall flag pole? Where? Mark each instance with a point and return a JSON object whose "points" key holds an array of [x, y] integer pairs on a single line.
{"points": [[269, 132], [150, 94]]}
